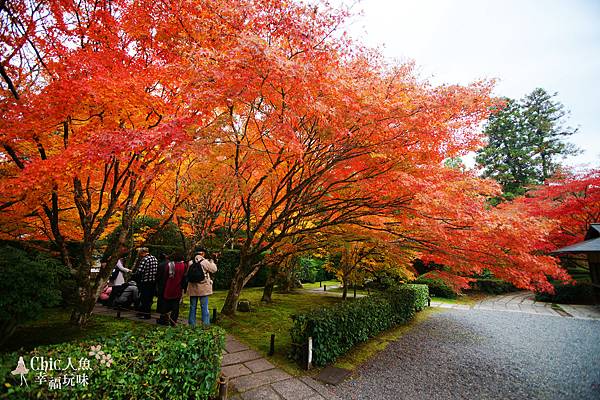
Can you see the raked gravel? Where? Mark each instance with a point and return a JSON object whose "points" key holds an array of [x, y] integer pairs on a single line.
{"points": [[477, 354]]}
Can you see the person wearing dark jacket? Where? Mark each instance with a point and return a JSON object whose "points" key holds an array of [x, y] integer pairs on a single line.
{"points": [[129, 297], [146, 271], [170, 282], [161, 280]]}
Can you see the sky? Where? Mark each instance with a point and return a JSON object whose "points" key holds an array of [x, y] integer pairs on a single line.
{"points": [[523, 44]]}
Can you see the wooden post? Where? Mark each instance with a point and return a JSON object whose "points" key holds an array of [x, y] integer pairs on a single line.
{"points": [[272, 348], [223, 383], [324, 288], [214, 318]]}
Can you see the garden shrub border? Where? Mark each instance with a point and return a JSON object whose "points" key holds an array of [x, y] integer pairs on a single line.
{"points": [[336, 329], [437, 286], [493, 286], [569, 293], [158, 364]]}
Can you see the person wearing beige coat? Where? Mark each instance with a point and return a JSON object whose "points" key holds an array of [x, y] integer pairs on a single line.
{"points": [[201, 290]]}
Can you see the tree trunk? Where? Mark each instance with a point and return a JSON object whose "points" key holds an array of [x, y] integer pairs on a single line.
{"points": [[233, 295], [287, 282], [235, 289], [269, 285], [83, 309], [345, 283]]}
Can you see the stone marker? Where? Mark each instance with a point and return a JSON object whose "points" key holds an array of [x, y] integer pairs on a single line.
{"points": [[244, 306]]}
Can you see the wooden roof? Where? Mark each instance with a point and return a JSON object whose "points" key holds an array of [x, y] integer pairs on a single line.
{"points": [[591, 243]]}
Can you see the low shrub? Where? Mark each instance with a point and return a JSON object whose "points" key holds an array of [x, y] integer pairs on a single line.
{"points": [[228, 263], [408, 297], [336, 329], [493, 286], [177, 363], [566, 293], [437, 287], [30, 281]]}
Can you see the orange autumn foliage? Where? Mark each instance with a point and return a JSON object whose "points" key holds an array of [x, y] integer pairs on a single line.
{"points": [[251, 115]]}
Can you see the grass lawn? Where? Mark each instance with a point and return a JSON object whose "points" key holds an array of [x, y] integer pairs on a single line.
{"points": [[350, 291], [253, 328], [316, 285], [54, 327]]}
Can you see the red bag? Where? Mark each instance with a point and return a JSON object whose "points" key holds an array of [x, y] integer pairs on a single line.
{"points": [[105, 293]]}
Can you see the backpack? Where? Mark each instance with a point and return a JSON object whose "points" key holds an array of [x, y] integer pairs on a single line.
{"points": [[114, 274], [195, 273]]}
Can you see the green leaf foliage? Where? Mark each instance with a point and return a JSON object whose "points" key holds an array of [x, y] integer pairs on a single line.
{"points": [[336, 329], [493, 286], [229, 261], [30, 281], [177, 363], [569, 293], [437, 287], [525, 142]]}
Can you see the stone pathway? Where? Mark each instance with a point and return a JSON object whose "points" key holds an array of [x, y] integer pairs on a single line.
{"points": [[251, 376], [524, 302]]}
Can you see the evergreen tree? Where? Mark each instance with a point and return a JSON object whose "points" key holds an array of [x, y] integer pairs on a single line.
{"points": [[543, 123], [525, 142]]}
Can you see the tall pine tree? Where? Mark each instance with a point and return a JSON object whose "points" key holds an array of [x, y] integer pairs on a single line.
{"points": [[526, 142]]}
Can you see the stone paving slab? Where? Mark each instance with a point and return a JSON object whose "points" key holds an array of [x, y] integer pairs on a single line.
{"points": [[247, 382], [261, 393], [233, 346], [293, 389], [233, 371], [259, 365], [524, 302], [239, 357]]}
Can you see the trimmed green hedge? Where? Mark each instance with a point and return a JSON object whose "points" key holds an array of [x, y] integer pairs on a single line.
{"points": [[408, 297], [437, 287], [338, 328], [176, 363]]}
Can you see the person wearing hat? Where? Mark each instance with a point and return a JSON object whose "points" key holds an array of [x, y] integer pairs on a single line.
{"points": [[201, 290]]}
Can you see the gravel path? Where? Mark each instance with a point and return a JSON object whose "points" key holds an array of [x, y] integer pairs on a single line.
{"points": [[480, 354]]}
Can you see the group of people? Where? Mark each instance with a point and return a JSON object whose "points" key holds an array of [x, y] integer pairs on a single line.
{"points": [[168, 280]]}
